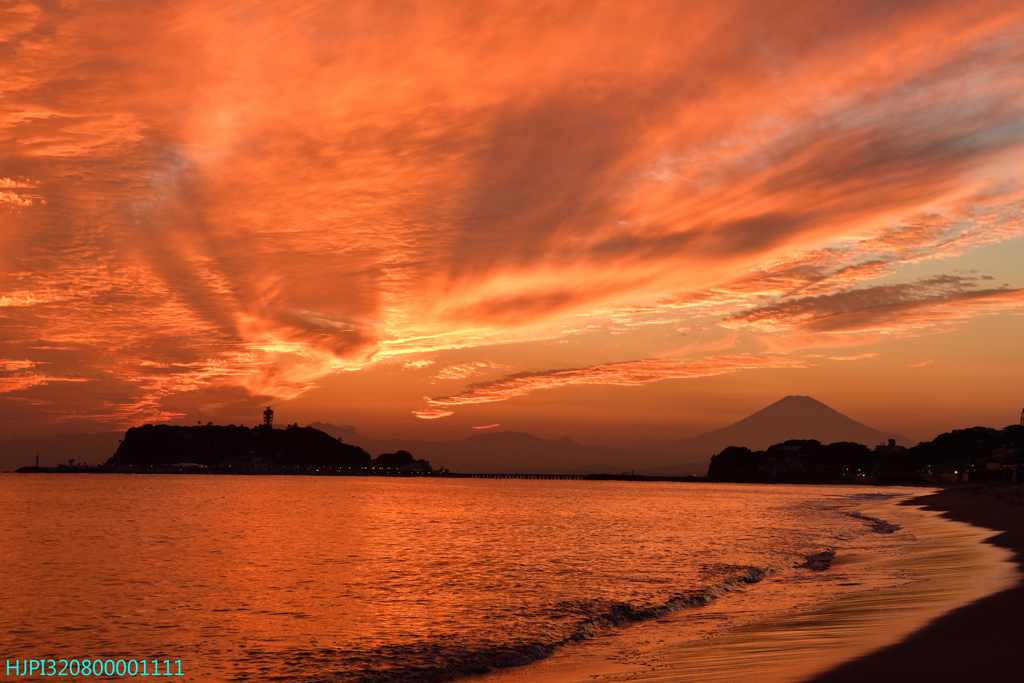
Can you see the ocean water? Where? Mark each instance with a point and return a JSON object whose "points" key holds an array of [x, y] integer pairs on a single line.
{"points": [[380, 579]]}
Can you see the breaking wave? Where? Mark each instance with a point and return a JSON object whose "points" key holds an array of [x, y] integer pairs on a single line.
{"points": [[452, 665], [879, 526], [819, 562]]}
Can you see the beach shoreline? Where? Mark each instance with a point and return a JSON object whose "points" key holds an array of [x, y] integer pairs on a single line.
{"points": [[870, 634], [980, 641]]}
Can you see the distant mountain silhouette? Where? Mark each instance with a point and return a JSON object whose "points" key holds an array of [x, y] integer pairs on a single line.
{"points": [[56, 449], [513, 451], [794, 417]]}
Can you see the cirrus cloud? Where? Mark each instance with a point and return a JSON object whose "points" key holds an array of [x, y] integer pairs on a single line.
{"points": [[260, 200], [629, 374]]}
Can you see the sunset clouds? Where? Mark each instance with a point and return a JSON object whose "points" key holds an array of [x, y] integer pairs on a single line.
{"points": [[620, 374], [222, 203]]}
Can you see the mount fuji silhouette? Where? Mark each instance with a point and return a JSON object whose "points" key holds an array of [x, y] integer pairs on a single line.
{"points": [[794, 417]]}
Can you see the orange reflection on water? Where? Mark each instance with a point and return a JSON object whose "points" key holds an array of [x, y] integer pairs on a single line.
{"points": [[367, 577]]}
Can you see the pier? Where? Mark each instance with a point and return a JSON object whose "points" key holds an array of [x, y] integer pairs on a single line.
{"points": [[521, 476], [582, 477]]}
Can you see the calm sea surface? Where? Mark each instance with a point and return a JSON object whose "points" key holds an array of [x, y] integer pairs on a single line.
{"points": [[378, 579]]}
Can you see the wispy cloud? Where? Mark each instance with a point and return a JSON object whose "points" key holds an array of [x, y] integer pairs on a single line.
{"points": [[262, 200], [7, 365], [13, 192], [29, 380], [470, 369], [17, 183], [432, 414], [880, 311], [635, 373]]}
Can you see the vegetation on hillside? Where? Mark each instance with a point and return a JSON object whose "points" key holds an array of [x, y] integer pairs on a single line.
{"points": [[980, 452]]}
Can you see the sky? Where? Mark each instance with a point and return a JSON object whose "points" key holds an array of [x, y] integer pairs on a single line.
{"points": [[623, 222]]}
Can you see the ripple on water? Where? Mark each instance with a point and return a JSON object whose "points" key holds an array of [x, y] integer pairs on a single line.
{"points": [[362, 578]]}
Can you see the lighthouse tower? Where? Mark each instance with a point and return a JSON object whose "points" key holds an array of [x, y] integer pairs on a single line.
{"points": [[268, 418]]}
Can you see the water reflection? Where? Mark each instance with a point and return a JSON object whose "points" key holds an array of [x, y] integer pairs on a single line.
{"points": [[353, 578]]}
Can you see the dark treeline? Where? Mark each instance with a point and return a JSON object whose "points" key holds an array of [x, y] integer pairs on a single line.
{"points": [[975, 454]]}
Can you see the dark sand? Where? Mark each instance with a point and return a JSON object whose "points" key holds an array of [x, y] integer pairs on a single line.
{"points": [[983, 641]]}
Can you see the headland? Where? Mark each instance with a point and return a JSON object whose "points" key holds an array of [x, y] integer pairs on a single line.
{"points": [[216, 449]]}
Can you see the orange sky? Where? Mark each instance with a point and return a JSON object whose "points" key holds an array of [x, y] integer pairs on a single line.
{"points": [[603, 219]]}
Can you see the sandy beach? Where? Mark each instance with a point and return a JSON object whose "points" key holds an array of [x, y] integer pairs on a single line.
{"points": [[952, 616], [978, 642]]}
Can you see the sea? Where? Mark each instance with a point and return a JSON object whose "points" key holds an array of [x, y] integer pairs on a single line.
{"points": [[293, 578]]}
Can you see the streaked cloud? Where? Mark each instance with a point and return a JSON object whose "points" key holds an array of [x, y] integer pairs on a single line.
{"points": [[432, 414], [28, 380], [200, 200], [631, 374], [19, 299], [12, 365], [13, 193], [19, 199], [466, 370], [880, 311]]}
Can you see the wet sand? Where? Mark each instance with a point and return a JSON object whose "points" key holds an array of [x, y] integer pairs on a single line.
{"points": [[983, 641], [960, 585]]}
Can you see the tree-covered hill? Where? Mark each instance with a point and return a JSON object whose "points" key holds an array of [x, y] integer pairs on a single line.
{"points": [[236, 448], [983, 453]]}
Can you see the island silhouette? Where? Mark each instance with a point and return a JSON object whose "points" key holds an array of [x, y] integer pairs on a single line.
{"points": [[235, 448], [242, 450]]}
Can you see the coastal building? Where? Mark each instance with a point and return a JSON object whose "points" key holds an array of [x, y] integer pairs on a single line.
{"points": [[890, 447]]}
